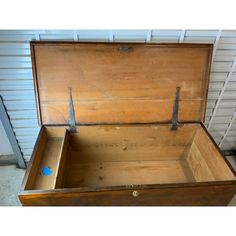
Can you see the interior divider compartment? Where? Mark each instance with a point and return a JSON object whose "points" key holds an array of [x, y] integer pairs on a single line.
{"points": [[62, 162], [50, 159], [36, 156]]}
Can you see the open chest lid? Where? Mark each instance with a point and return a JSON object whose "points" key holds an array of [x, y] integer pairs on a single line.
{"points": [[120, 82]]}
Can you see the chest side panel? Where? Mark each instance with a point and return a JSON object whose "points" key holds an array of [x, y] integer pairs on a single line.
{"points": [[219, 195]]}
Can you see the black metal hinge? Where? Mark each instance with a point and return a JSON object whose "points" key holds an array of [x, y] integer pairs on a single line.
{"points": [[174, 121], [72, 123]]}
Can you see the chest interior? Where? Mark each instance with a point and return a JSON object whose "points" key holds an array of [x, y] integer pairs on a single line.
{"points": [[122, 99], [127, 155]]}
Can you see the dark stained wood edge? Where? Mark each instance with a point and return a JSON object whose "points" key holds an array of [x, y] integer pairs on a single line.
{"points": [[200, 45], [187, 45], [124, 123], [133, 187], [217, 147], [33, 156], [219, 195], [207, 76], [34, 70]]}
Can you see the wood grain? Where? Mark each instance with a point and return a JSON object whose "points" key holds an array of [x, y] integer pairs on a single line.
{"points": [[32, 168], [214, 194], [48, 154], [114, 155], [99, 164], [114, 90], [198, 166], [213, 158], [123, 173], [134, 135], [59, 179], [120, 111], [50, 159], [113, 86]]}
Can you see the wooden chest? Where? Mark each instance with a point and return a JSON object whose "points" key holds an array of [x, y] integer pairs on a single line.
{"points": [[121, 124]]}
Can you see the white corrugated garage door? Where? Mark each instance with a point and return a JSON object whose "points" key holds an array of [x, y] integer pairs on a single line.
{"points": [[16, 85]]}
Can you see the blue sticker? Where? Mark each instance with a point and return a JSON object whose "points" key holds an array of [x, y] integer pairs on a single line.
{"points": [[46, 171]]}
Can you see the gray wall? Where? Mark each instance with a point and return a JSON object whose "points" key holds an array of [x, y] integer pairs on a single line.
{"points": [[16, 84], [5, 146]]}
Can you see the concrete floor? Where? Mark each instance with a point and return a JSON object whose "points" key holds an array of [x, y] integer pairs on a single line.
{"points": [[11, 179]]}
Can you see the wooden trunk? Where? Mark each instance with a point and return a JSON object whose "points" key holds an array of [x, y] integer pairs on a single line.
{"points": [[124, 151]]}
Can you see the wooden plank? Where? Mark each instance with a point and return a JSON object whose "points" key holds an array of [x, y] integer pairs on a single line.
{"points": [[131, 142], [175, 195], [120, 111], [112, 84], [154, 136], [62, 162], [127, 152], [123, 173], [56, 131], [198, 166], [212, 156], [116, 89], [187, 171]]}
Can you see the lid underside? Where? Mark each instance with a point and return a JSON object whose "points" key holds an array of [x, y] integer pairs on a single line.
{"points": [[120, 83]]}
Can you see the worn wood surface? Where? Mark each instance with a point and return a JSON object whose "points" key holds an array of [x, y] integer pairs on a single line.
{"points": [[114, 155], [47, 154], [50, 159], [179, 195], [114, 86], [213, 158], [128, 154], [104, 164], [198, 166], [131, 142], [62, 161], [122, 173], [32, 168]]}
